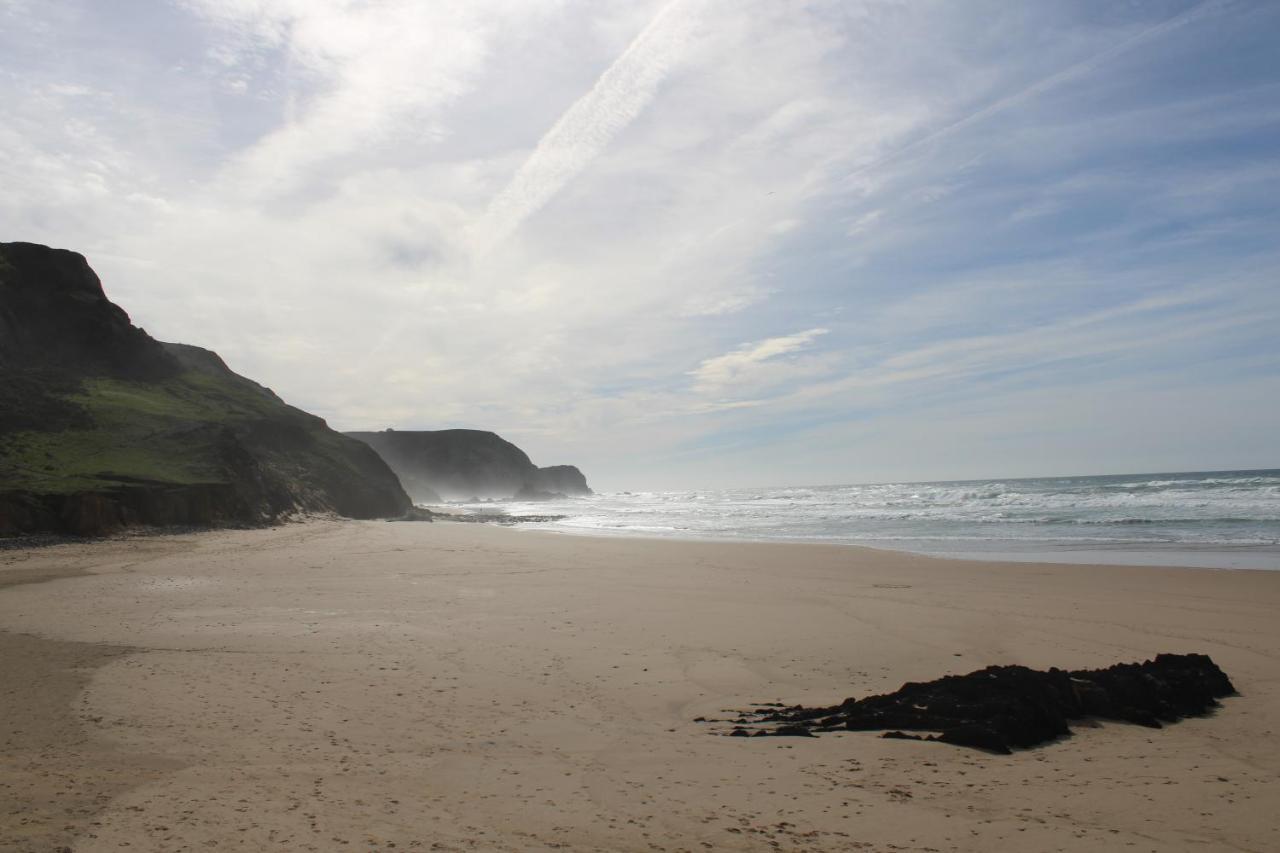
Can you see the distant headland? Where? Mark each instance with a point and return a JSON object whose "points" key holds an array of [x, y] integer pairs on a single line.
{"points": [[459, 464]]}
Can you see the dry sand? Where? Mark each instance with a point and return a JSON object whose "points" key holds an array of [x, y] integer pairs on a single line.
{"points": [[377, 686]]}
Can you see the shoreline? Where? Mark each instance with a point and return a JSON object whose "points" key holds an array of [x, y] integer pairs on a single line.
{"points": [[1261, 558], [474, 688], [1209, 519]]}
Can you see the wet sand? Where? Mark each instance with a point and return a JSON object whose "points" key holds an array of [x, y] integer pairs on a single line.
{"points": [[403, 686]]}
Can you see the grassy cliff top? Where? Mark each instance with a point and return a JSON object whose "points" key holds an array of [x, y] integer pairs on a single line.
{"points": [[157, 431]]}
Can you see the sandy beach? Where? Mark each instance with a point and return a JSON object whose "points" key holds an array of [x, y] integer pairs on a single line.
{"points": [[340, 685]]}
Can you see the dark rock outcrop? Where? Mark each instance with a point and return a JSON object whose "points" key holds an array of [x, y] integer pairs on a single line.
{"points": [[54, 316], [103, 427], [459, 464], [1002, 708], [560, 479]]}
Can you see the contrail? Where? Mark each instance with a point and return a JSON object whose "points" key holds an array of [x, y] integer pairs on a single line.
{"points": [[1044, 85], [584, 130]]}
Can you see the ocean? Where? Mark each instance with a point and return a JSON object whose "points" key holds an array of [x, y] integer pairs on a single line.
{"points": [[1225, 519]]}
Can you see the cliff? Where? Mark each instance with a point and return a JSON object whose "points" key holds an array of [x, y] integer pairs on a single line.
{"points": [[457, 464], [103, 427], [565, 479]]}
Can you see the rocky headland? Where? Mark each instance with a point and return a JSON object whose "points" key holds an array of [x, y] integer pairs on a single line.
{"points": [[459, 464], [103, 427]]}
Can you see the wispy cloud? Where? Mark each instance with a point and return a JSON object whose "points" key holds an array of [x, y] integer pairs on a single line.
{"points": [[740, 364], [584, 131], [356, 78], [1044, 85]]}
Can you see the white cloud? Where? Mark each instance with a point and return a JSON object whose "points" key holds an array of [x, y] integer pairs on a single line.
{"points": [[742, 364], [360, 76]]}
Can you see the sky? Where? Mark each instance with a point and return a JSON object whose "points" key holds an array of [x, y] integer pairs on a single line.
{"points": [[689, 243]]}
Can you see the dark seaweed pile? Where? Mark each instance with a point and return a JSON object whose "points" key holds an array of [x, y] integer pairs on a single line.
{"points": [[1002, 708]]}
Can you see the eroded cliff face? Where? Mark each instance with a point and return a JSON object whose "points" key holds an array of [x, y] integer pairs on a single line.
{"points": [[457, 464], [103, 427]]}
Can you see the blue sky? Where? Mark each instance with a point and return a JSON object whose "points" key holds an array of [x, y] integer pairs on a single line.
{"points": [[690, 243]]}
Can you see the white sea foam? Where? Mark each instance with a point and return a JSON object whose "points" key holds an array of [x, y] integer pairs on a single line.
{"points": [[1219, 509]]}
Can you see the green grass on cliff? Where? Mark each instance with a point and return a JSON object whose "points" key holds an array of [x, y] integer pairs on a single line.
{"points": [[191, 396], [159, 431], [75, 460]]}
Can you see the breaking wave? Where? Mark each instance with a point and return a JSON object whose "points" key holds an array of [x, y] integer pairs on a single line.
{"points": [[1221, 509]]}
